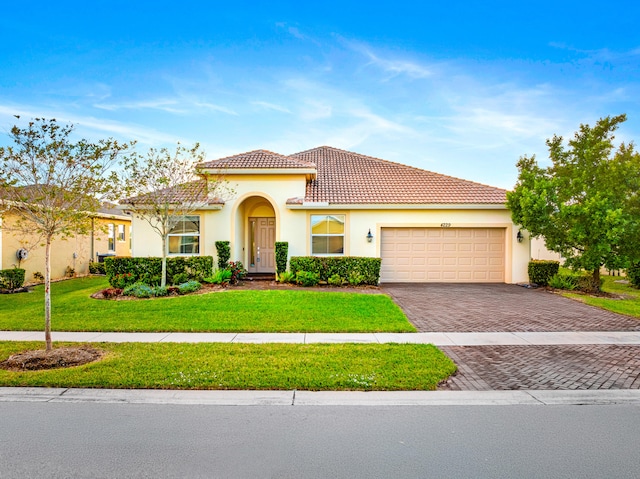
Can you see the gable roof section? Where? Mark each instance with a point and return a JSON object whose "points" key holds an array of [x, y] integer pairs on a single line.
{"points": [[349, 178], [192, 192], [257, 159]]}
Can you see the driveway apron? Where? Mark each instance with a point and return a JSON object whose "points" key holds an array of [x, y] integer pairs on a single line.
{"points": [[500, 307]]}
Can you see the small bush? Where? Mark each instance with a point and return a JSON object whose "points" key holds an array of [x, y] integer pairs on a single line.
{"points": [[307, 278], [282, 252], [96, 268], [159, 291], [189, 287], [633, 273], [237, 271], [70, 272], [149, 270], [580, 281], [286, 277], [223, 248], [111, 293], [355, 278], [138, 290], [567, 281], [541, 271], [121, 281], [12, 279], [180, 278], [220, 276], [38, 276], [335, 280]]}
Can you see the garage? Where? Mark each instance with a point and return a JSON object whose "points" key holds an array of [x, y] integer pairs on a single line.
{"points": [[453, 255]]}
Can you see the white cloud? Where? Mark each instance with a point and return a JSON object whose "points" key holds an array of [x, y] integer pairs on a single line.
{"points": [[271, 106]]}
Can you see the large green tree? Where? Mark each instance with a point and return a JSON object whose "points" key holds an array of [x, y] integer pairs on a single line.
{"points": [[586, 205], [53, 183]]}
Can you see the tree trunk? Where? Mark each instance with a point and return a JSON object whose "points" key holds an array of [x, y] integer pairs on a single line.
{"points": [[596, 279], [47, 294], [163, 276]]}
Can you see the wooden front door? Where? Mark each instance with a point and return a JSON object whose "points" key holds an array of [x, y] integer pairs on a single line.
{"points": [[262, 251]]}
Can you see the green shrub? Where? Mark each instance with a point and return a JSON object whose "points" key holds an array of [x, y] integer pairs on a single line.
{"points": [[282, 252], [581, 281], [12, 279], [633, 273], [541, 271], [343, 266], [149, 270], [567, 281], [138, 290], [122, 280], [335, 280], [189, 287], [355, 278], [159, 291], [237, 271], [96, 268], [180, 278], [286, 277], [38, 276], [223, 248], [220, 276], [307, 278]]}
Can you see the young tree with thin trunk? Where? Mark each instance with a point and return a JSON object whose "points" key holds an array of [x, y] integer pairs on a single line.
{"points": [[586, 205], [163, 188], [53, 185]]}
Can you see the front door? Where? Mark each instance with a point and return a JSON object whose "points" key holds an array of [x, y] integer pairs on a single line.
{"points": [[262, 238]]}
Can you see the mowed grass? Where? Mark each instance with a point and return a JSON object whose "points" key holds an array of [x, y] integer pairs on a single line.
{"points": [[225, 311], [316, 367], [630, 305]]}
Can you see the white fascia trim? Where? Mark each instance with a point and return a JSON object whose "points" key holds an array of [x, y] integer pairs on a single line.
{"points": [[432, 206], [258, 171], [125, 207]]}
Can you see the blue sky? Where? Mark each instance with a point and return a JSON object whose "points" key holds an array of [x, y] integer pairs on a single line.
{"points": [[461, 88]]}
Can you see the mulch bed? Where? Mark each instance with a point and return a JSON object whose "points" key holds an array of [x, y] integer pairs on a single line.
{"points": [[41, 359]]}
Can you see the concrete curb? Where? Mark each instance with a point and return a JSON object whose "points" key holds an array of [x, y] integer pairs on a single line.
{"points": [[323, 398]]}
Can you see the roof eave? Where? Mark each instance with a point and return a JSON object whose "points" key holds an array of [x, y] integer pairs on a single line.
{"points": [[311, 205]]}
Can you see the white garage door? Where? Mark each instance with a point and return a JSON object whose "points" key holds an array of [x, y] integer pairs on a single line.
{"points": [[456, 255]]}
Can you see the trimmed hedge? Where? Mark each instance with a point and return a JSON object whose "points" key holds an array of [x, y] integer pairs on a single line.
{"points": [[633, 273], [96, 268], [11, 278], [149, 270], [541, 271], [282, 252], [223, 248], [343, 266]]}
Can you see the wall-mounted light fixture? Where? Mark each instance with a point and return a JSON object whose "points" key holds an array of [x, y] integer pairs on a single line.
{"points": [[519, 237], [369, 236]]}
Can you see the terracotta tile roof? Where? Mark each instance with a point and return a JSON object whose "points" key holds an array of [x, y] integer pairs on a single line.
{"points": [[257, 159], [195, 192], [344, 177]]}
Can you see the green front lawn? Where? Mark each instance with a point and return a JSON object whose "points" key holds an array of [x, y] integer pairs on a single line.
{"points": [[317, 367], [225, 311], [630, 305]]}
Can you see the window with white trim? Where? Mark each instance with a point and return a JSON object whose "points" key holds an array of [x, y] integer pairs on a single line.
{"points": [[111, 237], [327, 234], [184, 238], [120, 232]]}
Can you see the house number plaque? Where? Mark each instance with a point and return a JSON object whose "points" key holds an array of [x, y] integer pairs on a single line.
{"points": [[445, 225]]}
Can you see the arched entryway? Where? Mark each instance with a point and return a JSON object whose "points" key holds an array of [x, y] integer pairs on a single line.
{"points": [[258, 218]]}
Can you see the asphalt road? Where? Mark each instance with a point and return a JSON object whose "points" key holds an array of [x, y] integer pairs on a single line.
{"points": [[92, 440]]}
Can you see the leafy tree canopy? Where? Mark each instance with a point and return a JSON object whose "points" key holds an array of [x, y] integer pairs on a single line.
{"points": [[586, 205]]}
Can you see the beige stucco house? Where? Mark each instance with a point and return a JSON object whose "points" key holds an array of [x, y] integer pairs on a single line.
{"points": [[110, 235], [425, 226]]}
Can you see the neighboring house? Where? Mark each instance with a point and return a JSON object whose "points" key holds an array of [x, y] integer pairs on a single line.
{"points": [[425, 226], [110, 235]]}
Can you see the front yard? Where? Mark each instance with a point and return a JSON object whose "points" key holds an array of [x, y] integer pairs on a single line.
{"points": [[226, 311]]}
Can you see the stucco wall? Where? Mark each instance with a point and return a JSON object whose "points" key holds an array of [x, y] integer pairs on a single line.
{"points": [[62, 250]]}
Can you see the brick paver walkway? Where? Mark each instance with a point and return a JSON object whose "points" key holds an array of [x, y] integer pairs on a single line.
{"points": [[499, 307], [503, 307]]}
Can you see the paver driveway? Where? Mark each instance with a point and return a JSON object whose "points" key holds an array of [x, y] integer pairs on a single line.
{"points": [[501, 307]]}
